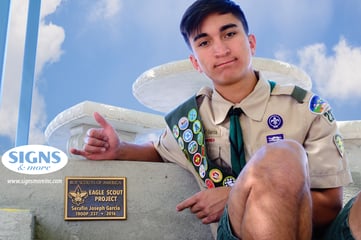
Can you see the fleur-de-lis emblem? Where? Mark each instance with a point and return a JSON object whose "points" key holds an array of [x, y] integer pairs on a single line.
{"points": [[78, 196]]}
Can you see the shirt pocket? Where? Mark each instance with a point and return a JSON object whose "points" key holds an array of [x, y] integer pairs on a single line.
{"points": [[217, 146]]}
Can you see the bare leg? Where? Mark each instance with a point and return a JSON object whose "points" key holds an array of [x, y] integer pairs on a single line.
{"points": [[355, 218], [271, 198]]}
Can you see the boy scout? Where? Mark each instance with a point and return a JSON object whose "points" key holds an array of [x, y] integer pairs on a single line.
{"points": [[284, 179]]}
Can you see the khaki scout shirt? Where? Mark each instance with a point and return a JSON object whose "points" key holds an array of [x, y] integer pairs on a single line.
{"points": [[268, 117]]}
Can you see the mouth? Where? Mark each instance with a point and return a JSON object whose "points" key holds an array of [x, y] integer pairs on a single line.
{"points": [[218, 65]]}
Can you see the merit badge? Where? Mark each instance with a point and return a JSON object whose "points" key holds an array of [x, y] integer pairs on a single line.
{"points": [[175, 131], [209, 183], [200, 139], [197, 126], [181, 143], [229, 181], [216, 175], [192, 147], [192, 115], [202, 171], [275, 121], [197, 159], [318, 105], [337, 139], [183, 123], [187, 135], [205, 163]]}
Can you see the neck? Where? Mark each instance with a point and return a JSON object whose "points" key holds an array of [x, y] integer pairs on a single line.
{"points": [[239, 90]]}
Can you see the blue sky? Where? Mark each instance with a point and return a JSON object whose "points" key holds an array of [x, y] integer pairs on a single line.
{"points": [[95, 50]]}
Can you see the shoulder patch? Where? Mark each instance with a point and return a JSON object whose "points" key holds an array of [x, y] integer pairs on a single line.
{"points": [[328, 115], [318, 105], [337, 139]]}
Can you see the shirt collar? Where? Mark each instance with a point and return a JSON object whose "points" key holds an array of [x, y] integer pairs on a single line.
{"points": [[253, 106]]}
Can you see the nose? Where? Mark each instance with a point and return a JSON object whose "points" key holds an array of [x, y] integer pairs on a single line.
{"points": [[220, 49]]}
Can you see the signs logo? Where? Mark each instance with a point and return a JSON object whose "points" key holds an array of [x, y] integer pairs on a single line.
{"points": [[34, 159]]}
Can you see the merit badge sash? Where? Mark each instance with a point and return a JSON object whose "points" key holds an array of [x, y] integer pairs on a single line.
{"points": [[186, 125]]}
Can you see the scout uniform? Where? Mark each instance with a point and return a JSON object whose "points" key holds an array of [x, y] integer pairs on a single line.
{"points": [[283, 112], [197, 137]]}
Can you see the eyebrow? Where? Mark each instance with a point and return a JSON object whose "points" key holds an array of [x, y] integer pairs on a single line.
{"points": [[222, 29]]}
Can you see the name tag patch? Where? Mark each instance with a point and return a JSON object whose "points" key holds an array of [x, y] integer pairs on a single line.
{"points": [[275, 138]]}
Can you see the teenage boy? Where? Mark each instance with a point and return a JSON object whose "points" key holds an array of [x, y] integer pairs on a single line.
{"points": [[284, 179]]}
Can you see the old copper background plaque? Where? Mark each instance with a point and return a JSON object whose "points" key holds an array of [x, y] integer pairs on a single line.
{"points": [[95, 198]]}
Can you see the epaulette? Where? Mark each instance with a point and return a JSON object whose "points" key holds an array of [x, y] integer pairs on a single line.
{"points": [[296, 92]]}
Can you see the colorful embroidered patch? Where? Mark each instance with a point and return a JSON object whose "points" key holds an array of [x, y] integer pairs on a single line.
{"points": [[337, 139], [183, 123], [200, 139], [175, 131], [197, 127], [187, 135], [197, 159], [275, 121], [209, 183], [192, 115], [192, 147], [229, 181], [318, 105], [216, 175], [329, 116], [202, 171], [205, 163]]}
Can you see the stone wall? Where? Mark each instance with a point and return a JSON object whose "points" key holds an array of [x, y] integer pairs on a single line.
{"points": [[153, 191]]}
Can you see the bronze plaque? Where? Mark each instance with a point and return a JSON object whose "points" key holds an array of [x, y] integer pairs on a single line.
{"points": [[95, 198]]}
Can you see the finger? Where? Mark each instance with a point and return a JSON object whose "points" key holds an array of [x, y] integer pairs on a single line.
{"points": [[91, 141], [78, 152], [101, 120], [87, 155], [201, 215], [188, 203], [96, 133], [88, 149], [196, 208]]}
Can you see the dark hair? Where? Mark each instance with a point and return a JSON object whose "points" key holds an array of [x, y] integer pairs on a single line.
{"points": [[200, 9]]}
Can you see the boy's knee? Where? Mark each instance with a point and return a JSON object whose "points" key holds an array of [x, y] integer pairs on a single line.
{"points": [[282, 164], [283, 155]]}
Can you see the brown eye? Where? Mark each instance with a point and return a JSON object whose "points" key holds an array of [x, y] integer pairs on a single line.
{"points": [[203, 44], [230, 34]]}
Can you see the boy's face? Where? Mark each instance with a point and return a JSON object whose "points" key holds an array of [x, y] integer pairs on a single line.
{"points": [[222, 50]]}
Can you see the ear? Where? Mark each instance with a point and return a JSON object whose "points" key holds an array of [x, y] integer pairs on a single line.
{"points": [[195, 64], [252, 43]]}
